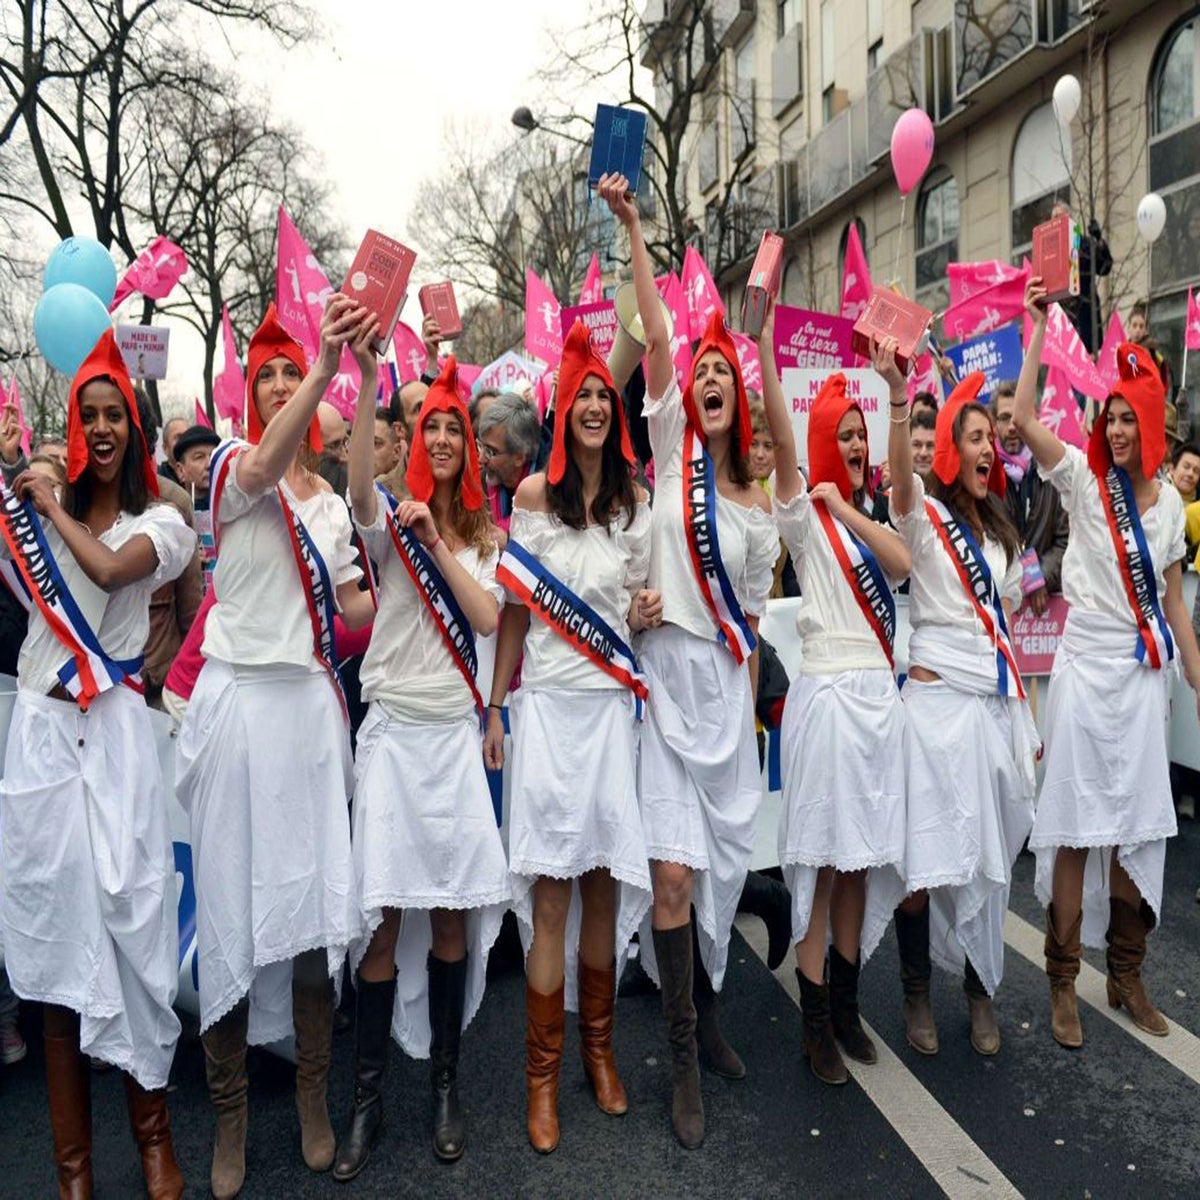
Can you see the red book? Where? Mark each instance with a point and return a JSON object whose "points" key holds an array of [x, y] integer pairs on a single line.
{"points": [[889, 314], [437, 301], [378, 279], [1056, 257], [763, 284]]}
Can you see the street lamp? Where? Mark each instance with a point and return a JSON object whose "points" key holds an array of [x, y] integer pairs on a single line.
{"points": [[525, 121]]}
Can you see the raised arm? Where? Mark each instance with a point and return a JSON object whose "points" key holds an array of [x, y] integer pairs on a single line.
{"points": [[362, 432], [788, 480], [883, 359], [660, 370], [1044, 443]]}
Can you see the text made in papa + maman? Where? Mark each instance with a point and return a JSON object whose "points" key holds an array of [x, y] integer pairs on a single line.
{"points": [[854, 390]]}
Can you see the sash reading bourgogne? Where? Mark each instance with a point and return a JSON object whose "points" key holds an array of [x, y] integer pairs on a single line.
{"points": [[1154, 647]]}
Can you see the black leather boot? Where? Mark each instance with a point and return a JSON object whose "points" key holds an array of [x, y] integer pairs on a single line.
{"points": [[447, 993], [843, 1004], [372, 1032]]}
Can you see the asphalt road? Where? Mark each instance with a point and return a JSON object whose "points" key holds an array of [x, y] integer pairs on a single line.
{"points": [[1118, 1118]]}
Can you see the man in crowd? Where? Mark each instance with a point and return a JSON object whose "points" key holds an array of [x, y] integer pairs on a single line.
{"points": [[335, 452], [1185, 470], [922, 422], [171, 430], [193, 452], [53, 447], [509, 437], [389, 446]]}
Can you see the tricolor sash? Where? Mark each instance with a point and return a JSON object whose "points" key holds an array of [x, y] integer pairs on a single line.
{"points": [[572, 618], [37, 579], [1154, 647], [318, 588], [431, 585], [868, 584], [976, 576], [700, 526]]}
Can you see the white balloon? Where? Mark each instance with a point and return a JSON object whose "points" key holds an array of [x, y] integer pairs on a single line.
{"points": [[1067, 97], [1151, 216]]}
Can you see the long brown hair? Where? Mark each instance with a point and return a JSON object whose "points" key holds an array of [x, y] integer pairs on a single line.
{"points": [[616, 491], [474, 527]]}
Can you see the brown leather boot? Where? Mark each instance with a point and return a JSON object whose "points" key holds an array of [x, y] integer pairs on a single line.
{"points": [[151, 1126], [597, 997], [1062, 967], [819, 1047], [843, 1008], [916, 972], [312, 1019], [228, 1084], [985, 1033], [69, 1085], [544, 1027], [1127, 929], [673, 950]]}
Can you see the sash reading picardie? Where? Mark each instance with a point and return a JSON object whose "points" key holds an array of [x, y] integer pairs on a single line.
{"points": [[976, 576], [310, 566], [1154, 647], [868, 584], [572, 618], [700, 526], [37, 579]]}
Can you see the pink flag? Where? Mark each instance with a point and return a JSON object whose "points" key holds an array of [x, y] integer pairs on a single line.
{"points": [[747, 352], [1060, 410], [925, 377], [543, 322], [987, 309], [410, 353], [681, 343], [969, 279], [154, 272], [593, 286], [14, 398], [699, 292], [1191, 340], [856, 277], [229, 388], [1063, 348], [467, 374], [1106, 362], [202, 416]]}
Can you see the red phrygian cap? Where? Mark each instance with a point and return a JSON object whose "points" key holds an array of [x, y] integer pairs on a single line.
{"points": [[825, 463], [443, 397], [270, 341], [1140, 386], [717, 337], [104, 362], [946, 461], [579, 360]]}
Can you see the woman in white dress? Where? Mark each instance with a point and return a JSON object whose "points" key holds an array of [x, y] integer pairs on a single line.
{"points": [[263, 754], [714, 547], [576, 562], [432, 879], [970, 744], [88, 898], [841, 821], [1105, 809]]}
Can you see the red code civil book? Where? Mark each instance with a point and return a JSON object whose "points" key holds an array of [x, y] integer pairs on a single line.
{"points": [[378, 279], [437, 301], [763, 283], [1056, 257], [889, 314]]}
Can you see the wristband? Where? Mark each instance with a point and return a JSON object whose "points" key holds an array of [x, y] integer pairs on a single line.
{"points": [[432, 546], [497, 707], [897, 403]]}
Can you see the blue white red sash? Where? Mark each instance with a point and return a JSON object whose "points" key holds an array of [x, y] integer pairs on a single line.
{"points": [[1154, 647], [700, 527], [861, 569], [431, 585], [572, 618], [976, 576], [36, 578], [315, 582]]}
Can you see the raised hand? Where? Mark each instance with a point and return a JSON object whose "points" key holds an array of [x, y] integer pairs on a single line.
{"points": [[339, 325], [883, 359], [828, 492], [614, 191], [1035, 300], [10, 434], [414, 515], [365, 354]]}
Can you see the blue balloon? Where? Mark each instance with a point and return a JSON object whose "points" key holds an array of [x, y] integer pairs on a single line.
{"points": [[67, 324], [84, 261]]}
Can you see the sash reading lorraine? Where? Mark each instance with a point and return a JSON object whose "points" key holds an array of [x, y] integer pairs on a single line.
{"points": [[976, 576], [37, 579], [572, 618], [862, 572], [1154, 647], [314, 574], [700, 526]]}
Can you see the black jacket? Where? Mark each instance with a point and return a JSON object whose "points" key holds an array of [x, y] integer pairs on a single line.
{"points": [[1041, 521]]}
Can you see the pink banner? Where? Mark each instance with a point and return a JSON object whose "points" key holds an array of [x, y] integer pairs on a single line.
{"points": [[681, 342], [1106, 362], [410, 353], [1060, 411], [154, 272], [856, 277], [699, 292], [592, 291], [969, 279], [1064, 348], [202, 416], [1192, 334], [601, 322], [543, 330], [1035, 639], [811, 339], [229, 387], [925, 377], [747, 351], [987, 309]]}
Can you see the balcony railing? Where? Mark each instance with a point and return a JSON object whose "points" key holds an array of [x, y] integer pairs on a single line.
{"points": [[988, 35]]}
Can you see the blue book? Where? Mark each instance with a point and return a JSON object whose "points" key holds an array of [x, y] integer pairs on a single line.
{"points": [[618, 140]]}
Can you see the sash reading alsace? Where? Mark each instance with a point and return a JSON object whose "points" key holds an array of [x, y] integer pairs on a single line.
{"points": [[865, 576], [314, 575], [700, 525], [1154, 647], [572, 618], [967, 557], [38, 579]]}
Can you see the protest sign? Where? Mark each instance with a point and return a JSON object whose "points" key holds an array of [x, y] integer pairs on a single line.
{"points": [[144, 349]]}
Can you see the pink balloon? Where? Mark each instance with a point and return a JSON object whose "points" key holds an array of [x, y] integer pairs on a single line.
{"points": [[912, 148]]}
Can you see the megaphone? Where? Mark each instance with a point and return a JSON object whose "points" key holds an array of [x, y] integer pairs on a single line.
{"points": [[630, 342]]}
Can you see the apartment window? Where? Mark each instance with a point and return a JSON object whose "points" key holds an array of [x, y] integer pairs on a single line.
{"points": [[787, 13], [874, 34], [1041, 174], [827, 58], [937, 238], [741, 116]]}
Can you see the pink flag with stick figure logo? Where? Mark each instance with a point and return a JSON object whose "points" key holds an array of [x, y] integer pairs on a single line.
{"points": [[1060, 412], [970, 278], [699, 291], [1106, 361], [748, 361], [229, 388], [593, 286], [154, 272], [543, 322], [410, 353], [1064, 348], [856, 277], [681, 345]]}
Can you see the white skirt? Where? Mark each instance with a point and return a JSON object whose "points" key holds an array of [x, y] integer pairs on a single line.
{"points": [[843, 806], [88, 899], [970, 808], [263, 768], [574, 807], [698, 779], [1106, 780], [425, 837]]}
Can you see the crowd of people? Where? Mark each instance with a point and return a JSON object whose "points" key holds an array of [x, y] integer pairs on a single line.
{"points": [[620, 549]]}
